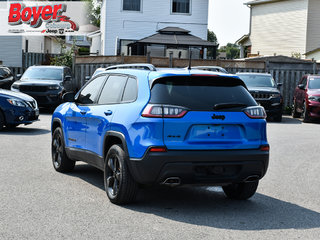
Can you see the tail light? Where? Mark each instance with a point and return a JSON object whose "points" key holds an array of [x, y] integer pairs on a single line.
{"points": [[256, 112], [164, 111], [265, 148]]}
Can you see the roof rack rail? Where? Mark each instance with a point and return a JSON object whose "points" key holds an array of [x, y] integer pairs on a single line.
{"points": [[143, 66]]}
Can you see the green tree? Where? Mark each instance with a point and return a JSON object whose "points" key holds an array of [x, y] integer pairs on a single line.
{"points": [[212, 51], [232, 50], [66, 57], [212, 37], [94, 11]]}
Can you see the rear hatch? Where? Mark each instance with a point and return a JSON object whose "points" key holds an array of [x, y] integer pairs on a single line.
{"points": [[206, 113]]}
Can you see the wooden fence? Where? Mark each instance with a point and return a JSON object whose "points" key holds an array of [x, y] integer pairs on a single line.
{"points": [[31, 58]]}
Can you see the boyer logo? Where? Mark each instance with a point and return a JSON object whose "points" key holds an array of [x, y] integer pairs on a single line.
{"points": [[36, 15]]}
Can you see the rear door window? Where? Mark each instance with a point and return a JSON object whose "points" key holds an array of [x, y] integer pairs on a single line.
{"points": [[200, 93]]}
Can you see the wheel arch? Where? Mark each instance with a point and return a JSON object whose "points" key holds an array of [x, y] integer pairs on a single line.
{"points": [[111, 138], [55, 124]]}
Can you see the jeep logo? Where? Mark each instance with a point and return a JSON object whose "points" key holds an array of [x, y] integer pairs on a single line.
{"points": [[222, 117]]}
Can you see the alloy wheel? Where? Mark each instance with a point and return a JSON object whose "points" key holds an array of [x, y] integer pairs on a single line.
{"points": [[57, 151], [113, 175]]}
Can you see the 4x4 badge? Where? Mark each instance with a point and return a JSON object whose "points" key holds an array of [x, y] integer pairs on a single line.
{"points": [[222, 117]]}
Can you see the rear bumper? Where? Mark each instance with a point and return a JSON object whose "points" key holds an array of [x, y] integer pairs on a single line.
{"points": [[200, 167]]}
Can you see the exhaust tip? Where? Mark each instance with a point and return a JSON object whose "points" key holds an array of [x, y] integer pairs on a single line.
{"points": [[172, 181], [252, 178]]}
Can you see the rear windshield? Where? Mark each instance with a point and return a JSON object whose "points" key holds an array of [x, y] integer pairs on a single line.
{"points": [[258, 80], [42, 73], [314, 83], [200, 93]]}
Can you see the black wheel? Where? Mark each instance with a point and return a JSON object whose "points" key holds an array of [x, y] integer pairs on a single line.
{"points": [[118, 182], [295, 114], [241, 191], [2, 120], [278, 118], [60, 160], [305, 113]]}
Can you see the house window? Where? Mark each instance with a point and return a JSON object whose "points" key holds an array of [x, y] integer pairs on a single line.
{"points": [[181, 6], [131, 5]]}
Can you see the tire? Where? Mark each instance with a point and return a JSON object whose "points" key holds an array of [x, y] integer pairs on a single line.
{"points": [[278, 118], [60, 160], [295, 114], [118, 182], [241, 191], [2, 121], [305, 116], [12, 126]]}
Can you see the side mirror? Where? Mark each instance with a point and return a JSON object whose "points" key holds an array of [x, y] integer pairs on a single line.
{"points": [[87, 78], [68, 97], [301, 86], [279, 84], [67, 78], [18, 76]]}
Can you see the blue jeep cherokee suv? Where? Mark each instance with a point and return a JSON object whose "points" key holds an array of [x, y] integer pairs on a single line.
{"points": [[172, 127]]}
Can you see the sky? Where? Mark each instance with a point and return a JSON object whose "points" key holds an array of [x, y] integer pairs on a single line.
{"points": [[228, 19]]}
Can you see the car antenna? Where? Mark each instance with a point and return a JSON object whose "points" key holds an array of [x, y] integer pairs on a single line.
{"points": [[190, 55]]}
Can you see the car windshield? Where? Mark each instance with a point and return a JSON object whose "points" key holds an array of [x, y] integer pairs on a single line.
{"points": [[258, 80], [42, 73], [314, 83]]}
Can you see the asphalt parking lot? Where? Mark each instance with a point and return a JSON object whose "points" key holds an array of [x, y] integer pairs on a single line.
{"points": [[38, 203]]}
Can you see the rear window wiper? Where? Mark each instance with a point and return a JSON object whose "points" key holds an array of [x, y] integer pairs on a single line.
{"points": [[228, 105]]}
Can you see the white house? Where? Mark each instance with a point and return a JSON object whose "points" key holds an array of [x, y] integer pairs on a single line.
{"points": [[285, 27], [126, 21]]}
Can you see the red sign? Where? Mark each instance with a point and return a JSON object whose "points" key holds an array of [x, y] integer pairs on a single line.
{"points": [[34, 16]]}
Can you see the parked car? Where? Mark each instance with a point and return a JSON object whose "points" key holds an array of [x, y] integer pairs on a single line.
{"points": [[210, 68], [6, 77], [266, 92], [170, 127], [306, 99], [46, 84], [16, 109]]}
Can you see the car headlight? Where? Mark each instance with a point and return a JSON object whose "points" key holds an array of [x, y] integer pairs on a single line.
{"points": [[54, 87], [314, 98], [275, 95], [17, 103]]}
